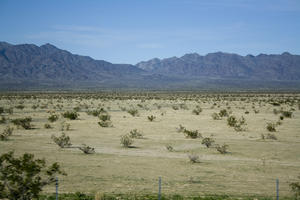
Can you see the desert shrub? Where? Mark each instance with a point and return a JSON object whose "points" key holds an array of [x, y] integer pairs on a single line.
{"points": [[126, 141], [256, 111], [193, 158], [175, 107], [271, 127], [72, 115], [53, 118], [21, 107], [197, 110], [223, 113], [2, 120], [47, 126], [86, 149], [65, 126], [222, 149], [34, 107], [23, 178], [208, 142], [240, 125], [287, 114], [183, 106], [271, 136], [6, 133], [275, 111], [295, 187], [135, 134], [151, 118], [96, 113], [180, 129], [9, 110], [23, 122], [247, 112], [77, 109], [104, 117], [192, 134], [105, 124], [133, 112], [169, 148], [62, 141], [216, 116], [232, 121], [281, 117], [1, 110]]}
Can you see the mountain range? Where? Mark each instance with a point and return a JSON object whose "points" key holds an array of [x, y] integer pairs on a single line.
{"points": [[32, 67]]}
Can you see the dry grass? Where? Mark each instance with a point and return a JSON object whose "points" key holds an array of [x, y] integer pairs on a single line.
{"points": [[250, 167]]}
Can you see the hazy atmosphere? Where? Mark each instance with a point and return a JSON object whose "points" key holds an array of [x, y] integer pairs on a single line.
{"points": [[132, 31]]}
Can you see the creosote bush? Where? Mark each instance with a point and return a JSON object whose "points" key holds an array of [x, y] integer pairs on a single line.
{"points": [[133, 112], [72, 115], [271, 127], [223, 113], [232, 121], [295, 187], [23, 122], [47, 126], [216, 116], [169, 148], [151, 118], [53, 118], [2, 120], [126, 141], [62, 141], [86, 149], [6, 133], [193, 158], [192, 134], [104, 117], [135, 134], [23, 178], [208, 142], [197, 110], [222, 149]]}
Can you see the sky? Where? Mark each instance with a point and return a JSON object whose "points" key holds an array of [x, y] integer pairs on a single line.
{"points": [[130, 31]]}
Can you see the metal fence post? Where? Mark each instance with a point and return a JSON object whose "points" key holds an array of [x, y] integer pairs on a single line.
{"points": [[56, 188], [277, 189], [159, 188]]}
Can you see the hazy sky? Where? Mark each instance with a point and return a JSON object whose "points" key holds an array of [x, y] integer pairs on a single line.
{"points": [[129, 31]]}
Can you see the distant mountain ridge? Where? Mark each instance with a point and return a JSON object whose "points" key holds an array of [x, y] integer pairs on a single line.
{"points": [[224, 65], [27, 66]]}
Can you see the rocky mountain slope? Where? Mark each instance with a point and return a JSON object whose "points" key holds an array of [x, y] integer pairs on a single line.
{"points": [[30, 67]]}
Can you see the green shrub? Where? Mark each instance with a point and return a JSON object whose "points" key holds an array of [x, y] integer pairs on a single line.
{"points": [[232, 121], [135, 134], [65, 126], [47, 126], [151, 118], [24, 178], [21, 107], [222, 149], [96, 113], [104, 117], [271, 127], [169, 148], [105, 124], [287, 114], [133, 112], [216, 116], [192, 134], [62, 141], [23, 122], [180, 129], [1, 110], [126, 141], [223, 113], [193, 158], [208, 142], [2, 120], [86, 149], [197, 110], [6, 133], [72, 115], [53, 118], [295, 187]]}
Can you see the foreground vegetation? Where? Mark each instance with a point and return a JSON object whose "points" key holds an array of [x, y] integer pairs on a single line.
{"points": [[199, 143]]}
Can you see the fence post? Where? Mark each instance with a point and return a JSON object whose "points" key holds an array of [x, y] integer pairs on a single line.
{"points": [[277, 189], [159, 188], [56, 188]]}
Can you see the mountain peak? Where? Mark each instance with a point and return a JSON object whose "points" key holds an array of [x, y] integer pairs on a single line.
{"points": [[48, 46]]}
